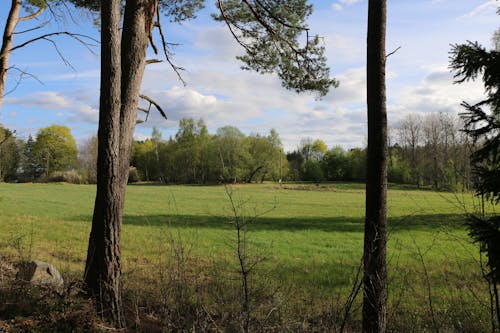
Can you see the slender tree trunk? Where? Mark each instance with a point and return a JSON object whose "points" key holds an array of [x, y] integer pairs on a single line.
{"points": [[8, 33], [137, 25], [103, 266], [374, 257]]}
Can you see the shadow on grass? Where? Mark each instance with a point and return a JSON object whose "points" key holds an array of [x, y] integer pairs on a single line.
{"points": [[327, 224]]}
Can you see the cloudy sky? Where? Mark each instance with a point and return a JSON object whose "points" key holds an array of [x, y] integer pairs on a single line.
{"points": [[418, 79]]}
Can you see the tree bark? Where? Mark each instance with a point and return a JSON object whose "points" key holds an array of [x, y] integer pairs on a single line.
{"points": [[122, 67], [7, 41], [137, 25], [374, 257], [103, 266]]}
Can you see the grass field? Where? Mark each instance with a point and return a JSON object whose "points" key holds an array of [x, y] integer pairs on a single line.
{"points": [[307, 241]]}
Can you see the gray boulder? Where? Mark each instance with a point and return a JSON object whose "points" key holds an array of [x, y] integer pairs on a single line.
{"points": [[40, 273]]}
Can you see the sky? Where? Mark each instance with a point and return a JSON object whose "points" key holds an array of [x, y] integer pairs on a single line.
{"points": [[217, 90]]}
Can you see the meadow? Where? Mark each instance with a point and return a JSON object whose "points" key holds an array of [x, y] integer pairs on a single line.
{"points": [[304, 243]]}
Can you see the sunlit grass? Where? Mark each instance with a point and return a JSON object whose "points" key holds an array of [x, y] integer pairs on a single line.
{"points": [[310, 238]]}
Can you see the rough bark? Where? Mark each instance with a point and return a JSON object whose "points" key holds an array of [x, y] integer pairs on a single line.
{"points": [[7, 41], [374, 257], [103, 267], [137, 25], [122, 68]]}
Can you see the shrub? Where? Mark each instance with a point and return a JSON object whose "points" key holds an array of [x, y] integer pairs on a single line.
{"points": [[133, 175], [70, 176]]}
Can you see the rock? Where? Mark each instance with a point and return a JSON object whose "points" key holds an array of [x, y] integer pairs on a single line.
{"points": [[40, 273]]}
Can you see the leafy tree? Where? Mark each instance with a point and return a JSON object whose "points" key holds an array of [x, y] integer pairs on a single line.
{"points": [[55, 149], [313, 171], [9, 155], [295, 162], [265, 154], [233, 153], [270, 33], [335, 164], [30, 169], [356, 165]]}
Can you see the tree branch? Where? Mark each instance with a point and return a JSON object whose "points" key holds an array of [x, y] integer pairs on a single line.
{"points": [[77, 37], [21, 75], [32, 16], [165, 50], [152, 102], [391, 53], [32, 29]]}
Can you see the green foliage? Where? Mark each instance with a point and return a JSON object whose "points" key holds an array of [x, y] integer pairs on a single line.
{"points": [[313, 171], [469, 62], [335, 164], [486, 232], [30, 169], [55, 149], [270, 32], [181, 10], [9, 155]]}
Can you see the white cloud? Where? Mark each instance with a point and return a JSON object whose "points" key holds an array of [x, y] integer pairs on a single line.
{"points": [[74, 110], [486, 7], [435, 93], [349, 2], [337, 6]]}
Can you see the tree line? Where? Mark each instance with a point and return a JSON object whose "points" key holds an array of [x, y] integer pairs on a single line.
{"points": [[428, 151]]}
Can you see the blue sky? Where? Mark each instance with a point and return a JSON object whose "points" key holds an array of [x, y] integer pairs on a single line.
{"points": [[418, 79]]}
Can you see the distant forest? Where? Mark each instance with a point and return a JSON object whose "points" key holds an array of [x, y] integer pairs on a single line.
{"points": [[427, 151]]}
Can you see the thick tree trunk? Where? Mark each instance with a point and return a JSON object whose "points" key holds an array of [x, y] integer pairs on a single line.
{"points": [[122, 68], [374, 257], [103, 266], [7, 40]]}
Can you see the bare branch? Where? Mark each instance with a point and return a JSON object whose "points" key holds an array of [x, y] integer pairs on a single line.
{"points": [[165, 51], [391, 53], [32, 29], [152, 43], [32, 16], [152, 102], [21, 76], [153, 61], [78, 37]]}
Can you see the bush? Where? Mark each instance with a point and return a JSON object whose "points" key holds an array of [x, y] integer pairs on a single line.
{"points": [[70, 176], [133, 175]]}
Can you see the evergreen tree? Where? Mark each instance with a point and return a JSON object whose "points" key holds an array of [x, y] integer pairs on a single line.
{"points": [[482, 123]]}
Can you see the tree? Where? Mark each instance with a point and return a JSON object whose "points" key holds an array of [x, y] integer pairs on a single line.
{"points": [[29, 166], [374, 256], [470, 61], [268, 31], [55, 149], [335, 164], [34, 9], [233, 153], [88, 160], [9, 155], [482, 123], [410, 136]]}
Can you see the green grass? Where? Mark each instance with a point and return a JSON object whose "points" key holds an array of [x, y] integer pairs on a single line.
{"points": [[311, 238]]}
